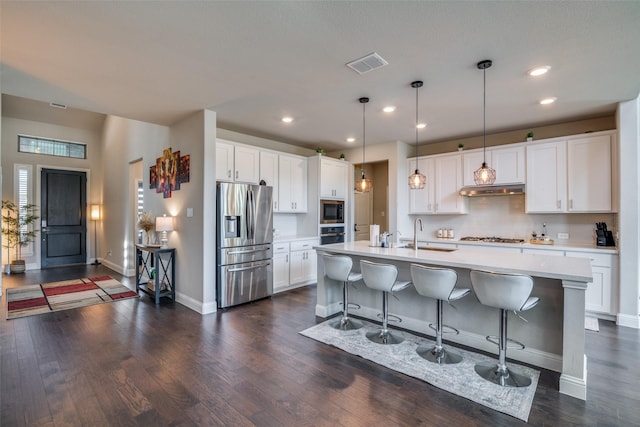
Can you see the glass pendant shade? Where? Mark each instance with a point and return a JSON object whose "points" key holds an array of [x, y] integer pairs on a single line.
{"points": [[364, 185], [485, 175], [417, 181]]}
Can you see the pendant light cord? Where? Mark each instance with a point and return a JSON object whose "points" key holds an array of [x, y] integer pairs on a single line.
{"points": [[417, 87], [484, 116], [363, 135]]}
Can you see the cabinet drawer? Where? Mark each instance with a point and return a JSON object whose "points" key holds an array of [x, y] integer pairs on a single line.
{"points": [[549, 252], [602, 260], [302, 245], [281, 248]]}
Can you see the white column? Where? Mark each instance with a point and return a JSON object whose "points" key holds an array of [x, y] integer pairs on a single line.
{"points": [[573, 380], [629, 240]]}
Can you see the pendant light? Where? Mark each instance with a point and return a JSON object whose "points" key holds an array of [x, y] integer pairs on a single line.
{"points": [[363, 185], [485, 175], [416, 179]]}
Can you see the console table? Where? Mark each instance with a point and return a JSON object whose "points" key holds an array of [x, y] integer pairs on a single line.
{"points": [[156, 265]]}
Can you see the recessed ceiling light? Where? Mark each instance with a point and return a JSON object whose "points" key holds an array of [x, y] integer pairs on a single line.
{"points": [[351, 139], [389, 109], [547, 101], [421, 125], [539, 71], [287, 119]]}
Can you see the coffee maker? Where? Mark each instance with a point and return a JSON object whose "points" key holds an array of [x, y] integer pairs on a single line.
{"points": [[604, 237]]}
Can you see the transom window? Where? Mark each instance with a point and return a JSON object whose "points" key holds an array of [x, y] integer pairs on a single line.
{"points": [[51, 147]]}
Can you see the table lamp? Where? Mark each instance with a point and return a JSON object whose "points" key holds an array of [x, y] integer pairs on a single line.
{"points": [[164, 223]]}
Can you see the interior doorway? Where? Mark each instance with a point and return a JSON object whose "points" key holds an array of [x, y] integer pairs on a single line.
{"points": [[372, 207]]}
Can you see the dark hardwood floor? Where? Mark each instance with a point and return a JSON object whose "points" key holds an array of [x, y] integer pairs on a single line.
{"points": [[133, 363]]}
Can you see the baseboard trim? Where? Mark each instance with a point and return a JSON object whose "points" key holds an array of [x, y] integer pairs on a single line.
{"points": [[628, 321], [196, 305]]}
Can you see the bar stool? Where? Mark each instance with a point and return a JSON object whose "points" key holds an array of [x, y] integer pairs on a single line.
{"points": [[338, 268], [438, 283], [506, 292], [382, 277]]}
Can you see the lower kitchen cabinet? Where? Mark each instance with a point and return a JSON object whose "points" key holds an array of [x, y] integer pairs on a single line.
{"points": [[601, 293], [294, 264], [280, 266]]}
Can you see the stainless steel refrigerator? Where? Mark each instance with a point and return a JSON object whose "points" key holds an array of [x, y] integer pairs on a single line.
{"points": [[244, 243]]}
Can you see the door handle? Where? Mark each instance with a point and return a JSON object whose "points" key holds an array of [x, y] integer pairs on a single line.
{"points": [[250, 251], [253, 267]]}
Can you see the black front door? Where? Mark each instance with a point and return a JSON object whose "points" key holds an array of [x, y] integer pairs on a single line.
{"points": [[63, 216]]}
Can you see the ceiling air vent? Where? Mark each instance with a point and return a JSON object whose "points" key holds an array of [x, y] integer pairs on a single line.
{"points": [[57, 105], [367, 63]]}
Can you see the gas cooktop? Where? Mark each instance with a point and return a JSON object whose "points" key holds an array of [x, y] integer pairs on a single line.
{"points": [[491, 239]]}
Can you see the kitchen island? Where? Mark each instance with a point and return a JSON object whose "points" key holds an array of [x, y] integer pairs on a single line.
{"points": [[554, 334]]}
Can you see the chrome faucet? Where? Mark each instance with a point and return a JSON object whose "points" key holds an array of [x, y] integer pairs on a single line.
{"points": [[415, 232]]}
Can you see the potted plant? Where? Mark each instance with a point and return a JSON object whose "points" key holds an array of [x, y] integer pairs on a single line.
{"points": [[146, 223], [342, 156], [460, 147], [530, 136], [320, 150], [18, 231]]}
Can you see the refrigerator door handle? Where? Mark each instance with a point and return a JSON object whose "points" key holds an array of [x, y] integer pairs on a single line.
{"points": [[253, 267], [253, 215], [250, 251], [247, 215]]}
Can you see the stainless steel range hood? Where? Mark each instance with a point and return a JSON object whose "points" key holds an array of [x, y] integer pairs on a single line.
{"points": [[492, 190]]}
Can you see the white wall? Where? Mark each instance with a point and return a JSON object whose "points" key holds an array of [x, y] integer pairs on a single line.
{"points": [[629, 242], [12, 127]]}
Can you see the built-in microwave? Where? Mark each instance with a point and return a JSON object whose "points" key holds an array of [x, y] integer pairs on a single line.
{"points": [[331, 211]]}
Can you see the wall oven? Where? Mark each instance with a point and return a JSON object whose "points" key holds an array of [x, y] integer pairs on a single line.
{"points": [[331, 211], [331, 235]]}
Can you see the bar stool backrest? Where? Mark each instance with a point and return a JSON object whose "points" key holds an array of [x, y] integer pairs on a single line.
{"points": [[380, 277], [337, 267], [433, 282], [501, 290]]}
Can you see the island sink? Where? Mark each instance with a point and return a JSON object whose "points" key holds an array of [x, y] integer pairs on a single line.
{"points": [[428, 248]]}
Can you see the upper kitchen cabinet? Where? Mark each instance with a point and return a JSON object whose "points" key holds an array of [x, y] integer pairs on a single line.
{"points": [[422, 201], [269, 174], [292, 183], [572, 175], [546, 177], [508, 161], [589, 174], [333, 178], [236, 162], [441, 192]]}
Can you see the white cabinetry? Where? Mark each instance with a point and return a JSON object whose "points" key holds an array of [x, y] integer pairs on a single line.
{"points": [[572, 175], [237, 163], [508, 162], [292, 184], [422, 201], [602, 291], [269, 174], [333, 179], [444, 180], [448, 181], [280, 266], [589, 174], [303, 267], [546, 177]]}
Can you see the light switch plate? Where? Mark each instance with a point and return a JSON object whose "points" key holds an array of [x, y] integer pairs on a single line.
{"points": [[189, 212]]}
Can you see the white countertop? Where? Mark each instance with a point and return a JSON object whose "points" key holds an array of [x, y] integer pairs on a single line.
{"points": [[559, 245], [553, 267], [293, 238]]}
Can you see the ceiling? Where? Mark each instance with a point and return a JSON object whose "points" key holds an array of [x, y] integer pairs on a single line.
{"points": [[254, 61]]}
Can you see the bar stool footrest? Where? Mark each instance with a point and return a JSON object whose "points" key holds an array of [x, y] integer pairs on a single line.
{"points": [[515, 344]]}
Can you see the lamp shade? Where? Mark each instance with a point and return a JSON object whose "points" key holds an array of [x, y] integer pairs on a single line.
{"points": [[95, 212], [164, 223]]}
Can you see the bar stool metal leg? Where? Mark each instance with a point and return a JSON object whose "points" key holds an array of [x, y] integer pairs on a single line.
{"points": [[345, 323], [501, 374], [438, 354], [384, 336]]}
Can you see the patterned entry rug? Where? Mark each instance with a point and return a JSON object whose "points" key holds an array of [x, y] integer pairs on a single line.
{"points": [[460, 379], [56, 296]]}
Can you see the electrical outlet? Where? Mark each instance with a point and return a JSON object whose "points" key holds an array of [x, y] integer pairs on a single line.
{"points": [[563, 236], [109, 253]]}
